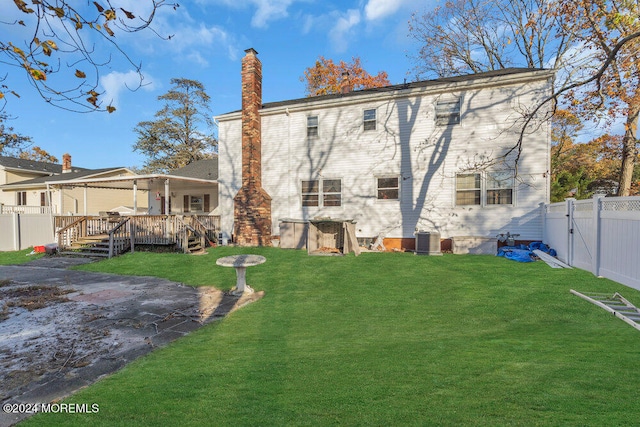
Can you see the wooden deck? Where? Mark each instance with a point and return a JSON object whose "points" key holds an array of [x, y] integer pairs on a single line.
{"points": [[123, 233]]}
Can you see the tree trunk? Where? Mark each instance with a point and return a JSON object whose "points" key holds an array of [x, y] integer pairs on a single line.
{"points": [[629, 152]]}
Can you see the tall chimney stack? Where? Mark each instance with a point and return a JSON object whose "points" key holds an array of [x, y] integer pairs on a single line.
{"points": [[66, 163], [252, 204]]}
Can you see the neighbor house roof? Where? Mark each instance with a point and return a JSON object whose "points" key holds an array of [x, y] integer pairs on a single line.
{"points": [[203, 169], [75, 174], [14, 163]]}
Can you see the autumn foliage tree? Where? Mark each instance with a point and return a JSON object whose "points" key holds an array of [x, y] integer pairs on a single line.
{"points": [[609, 32], [183, 130], [41, 38], [326, 77], [581, 169], [39, 155]]}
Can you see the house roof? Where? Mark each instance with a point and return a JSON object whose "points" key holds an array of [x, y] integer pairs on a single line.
{"points": [[202, 169], [75, 174], [31, 165], [423, 84]]}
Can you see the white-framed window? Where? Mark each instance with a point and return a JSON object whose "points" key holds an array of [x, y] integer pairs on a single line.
{"points": [[311, 193], [321, 192], [196, 204], [369, 119], [482, 189], [448, 111], [468, 190], [388, 188], [332, 192], [312, 126], [500, 188]]}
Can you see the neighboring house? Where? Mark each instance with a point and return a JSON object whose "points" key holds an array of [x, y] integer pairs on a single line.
{"points": [[193, 189], [14, 170], [29, 184], [416, 156]]}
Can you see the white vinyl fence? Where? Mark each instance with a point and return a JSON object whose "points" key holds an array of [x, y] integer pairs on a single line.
{"points": [[20, 231], [601, 235]]}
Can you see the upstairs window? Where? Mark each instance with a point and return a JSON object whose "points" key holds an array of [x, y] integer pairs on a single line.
{"points": [[388, 188], [312, 126], [468, 189], [500, 188], [369, 119], [448, 112], [325, 192]]}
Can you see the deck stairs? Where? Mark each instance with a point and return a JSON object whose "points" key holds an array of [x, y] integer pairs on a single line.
{"points": [[194, 246], [615, 304], [96, 246]]}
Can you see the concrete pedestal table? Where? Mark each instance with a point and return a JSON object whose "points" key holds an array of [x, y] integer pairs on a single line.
{"points": [[240, 263]]}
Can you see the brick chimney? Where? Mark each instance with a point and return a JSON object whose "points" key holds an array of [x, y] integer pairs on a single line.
{"points": [[252, 204], [345, 83], [66, 163]]}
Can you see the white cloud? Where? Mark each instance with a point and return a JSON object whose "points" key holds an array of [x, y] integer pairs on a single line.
{"points": [[115, 82], [269, 10], [266, 10], [341, 32], [377, 9]]}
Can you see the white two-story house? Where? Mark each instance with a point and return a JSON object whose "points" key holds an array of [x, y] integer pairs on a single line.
{"points": [[430, 155]]}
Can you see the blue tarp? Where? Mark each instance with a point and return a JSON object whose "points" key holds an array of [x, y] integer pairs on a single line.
{"points": [[523, 253]]}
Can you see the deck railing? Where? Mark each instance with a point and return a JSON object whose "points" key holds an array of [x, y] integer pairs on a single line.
{"points": [[22, 209], [121, 238], [138, 230]]}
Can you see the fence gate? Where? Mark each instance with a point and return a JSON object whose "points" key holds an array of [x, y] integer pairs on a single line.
{"points": [[581, 234], [600, 235]]}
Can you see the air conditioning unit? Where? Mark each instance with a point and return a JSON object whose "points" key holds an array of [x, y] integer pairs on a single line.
{"points": [[427, 243]]}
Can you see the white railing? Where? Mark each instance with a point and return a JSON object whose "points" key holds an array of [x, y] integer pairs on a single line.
{"points": [[9, 209], [601, 235]]}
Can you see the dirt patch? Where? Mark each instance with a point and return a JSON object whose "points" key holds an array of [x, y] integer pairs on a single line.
{"points": [[44, 332], [61, 330]]}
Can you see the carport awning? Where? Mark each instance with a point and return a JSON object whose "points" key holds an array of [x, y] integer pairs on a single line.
{"points": [[142, 182]]}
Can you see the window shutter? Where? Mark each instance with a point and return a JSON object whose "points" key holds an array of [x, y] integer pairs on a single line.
{"points": [[206, 203], [186, 204]]}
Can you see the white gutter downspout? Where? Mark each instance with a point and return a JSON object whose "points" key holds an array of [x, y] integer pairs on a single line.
{"points": [[135, 197], [85, 200]]}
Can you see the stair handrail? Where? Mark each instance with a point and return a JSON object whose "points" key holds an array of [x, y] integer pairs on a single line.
{"points": [[183, 230], [200, 231], [65, 239], [118, 238]]}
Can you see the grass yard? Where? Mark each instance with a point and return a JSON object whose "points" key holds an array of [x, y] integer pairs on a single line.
{"points": [[18, 257], [379, 339]]}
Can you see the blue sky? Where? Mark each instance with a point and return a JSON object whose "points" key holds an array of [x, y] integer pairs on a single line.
{"points": [[209, 39]]}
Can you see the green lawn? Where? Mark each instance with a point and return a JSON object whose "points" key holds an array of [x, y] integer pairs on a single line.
{"points": [[380, 339], [18, 257]]}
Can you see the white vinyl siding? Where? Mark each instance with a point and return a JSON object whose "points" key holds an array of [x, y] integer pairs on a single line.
{"points": [[424, 156]]}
